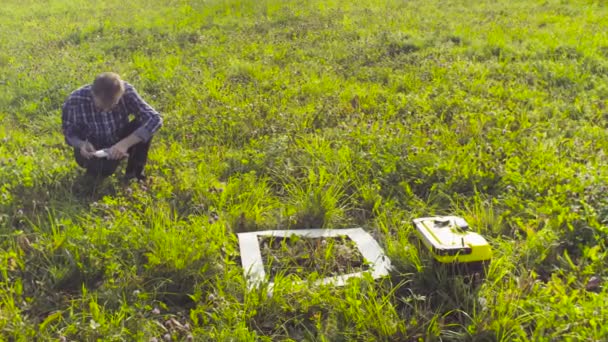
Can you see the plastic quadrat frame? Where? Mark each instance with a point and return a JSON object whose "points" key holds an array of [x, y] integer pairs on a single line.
{"points": [[253, 264]]}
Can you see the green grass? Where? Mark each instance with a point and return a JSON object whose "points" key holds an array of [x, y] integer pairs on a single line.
{"points": [[309, 114]]}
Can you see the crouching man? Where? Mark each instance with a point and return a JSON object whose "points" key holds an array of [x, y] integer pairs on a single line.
{"points": [[96, 117]]}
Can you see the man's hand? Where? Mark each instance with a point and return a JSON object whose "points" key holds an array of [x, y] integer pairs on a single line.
{"points": [[118, 151], [87, 149]]}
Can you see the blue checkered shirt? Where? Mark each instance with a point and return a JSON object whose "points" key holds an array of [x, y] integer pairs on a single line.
{"points": [[82, 121]]}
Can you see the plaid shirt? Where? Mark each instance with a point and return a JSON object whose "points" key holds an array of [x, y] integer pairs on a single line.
{"points": [[82, 121]]}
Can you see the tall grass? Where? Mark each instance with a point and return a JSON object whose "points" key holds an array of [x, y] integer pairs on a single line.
{"points": [[290, 114]]}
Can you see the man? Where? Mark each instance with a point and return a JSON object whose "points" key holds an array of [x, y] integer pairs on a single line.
{"points": [[96, 117]]}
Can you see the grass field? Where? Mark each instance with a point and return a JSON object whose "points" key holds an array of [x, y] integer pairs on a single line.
{"points": [[309, 114]]}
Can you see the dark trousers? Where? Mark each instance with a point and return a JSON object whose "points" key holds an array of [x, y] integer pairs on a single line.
{"points": [[103, 167]]}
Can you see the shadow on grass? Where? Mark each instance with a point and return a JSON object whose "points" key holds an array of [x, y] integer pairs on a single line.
{"points": [[69, 193], [51, 273], [441, 298]]}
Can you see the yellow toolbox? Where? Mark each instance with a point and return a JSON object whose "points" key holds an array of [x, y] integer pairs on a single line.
{"points": [[449, 240]]}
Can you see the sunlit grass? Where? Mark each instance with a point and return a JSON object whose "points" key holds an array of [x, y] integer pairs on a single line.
{"points": [[315, 114]]}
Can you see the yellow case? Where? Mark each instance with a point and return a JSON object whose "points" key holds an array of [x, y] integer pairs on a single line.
{"points": [[448, 239]]}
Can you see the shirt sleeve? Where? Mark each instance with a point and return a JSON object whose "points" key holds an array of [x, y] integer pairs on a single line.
{"points": [[150, 119], [70, 126]]}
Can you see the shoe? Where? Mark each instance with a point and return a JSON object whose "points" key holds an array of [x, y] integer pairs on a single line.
{"points": [[139, 177]]}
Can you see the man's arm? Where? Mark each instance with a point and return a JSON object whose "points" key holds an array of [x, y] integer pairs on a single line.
{"points": [[129, 141], [150, 121], [69, 126], [149, 118], [73, 132]]}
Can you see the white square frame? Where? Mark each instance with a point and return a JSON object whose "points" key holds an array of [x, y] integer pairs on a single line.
{"points": [[253, 264]]}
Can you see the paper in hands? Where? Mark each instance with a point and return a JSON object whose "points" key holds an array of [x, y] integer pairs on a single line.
{"points": [[101, 154]]}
